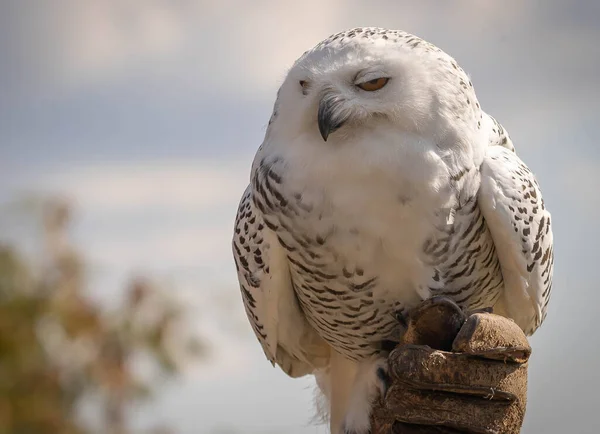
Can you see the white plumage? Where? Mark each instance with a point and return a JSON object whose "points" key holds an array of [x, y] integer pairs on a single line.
{"points": [[380, 183]]}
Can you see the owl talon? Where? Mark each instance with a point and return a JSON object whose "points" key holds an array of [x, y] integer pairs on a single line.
{"points": [[403, 317], [385, 381]]}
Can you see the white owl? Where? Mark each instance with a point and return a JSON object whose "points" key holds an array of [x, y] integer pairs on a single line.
{"points": [[380, 183]]}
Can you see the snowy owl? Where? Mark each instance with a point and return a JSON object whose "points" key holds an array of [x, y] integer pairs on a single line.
{"points": [[380, 183]]}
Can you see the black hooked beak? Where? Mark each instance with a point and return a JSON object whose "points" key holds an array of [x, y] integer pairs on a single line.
{"points": [[329, 117]]}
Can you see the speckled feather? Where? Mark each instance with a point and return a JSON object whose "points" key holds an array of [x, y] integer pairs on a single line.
{"points": [[420, 193]]}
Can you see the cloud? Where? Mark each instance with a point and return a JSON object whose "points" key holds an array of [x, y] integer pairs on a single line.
{"points": [[177, 185], [244, 48], [83, 41], [162, 215]]}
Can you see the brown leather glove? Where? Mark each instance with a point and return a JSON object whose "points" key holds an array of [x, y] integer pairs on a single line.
{"points": [[455, 373]]}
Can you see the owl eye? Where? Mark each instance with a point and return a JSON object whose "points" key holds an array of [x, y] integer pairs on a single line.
{"points": [[302, 84], [373, 85]]}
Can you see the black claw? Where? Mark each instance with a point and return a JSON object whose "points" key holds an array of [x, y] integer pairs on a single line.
{"points": [[385, 381], [402, 317]]}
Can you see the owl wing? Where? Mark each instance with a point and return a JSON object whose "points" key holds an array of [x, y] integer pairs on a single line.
{"points": [[512, 205], [268, 295]]}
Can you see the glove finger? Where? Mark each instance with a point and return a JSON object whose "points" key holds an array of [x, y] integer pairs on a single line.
{"points": [[422, 368], [409, 428], [492, 337], [464, 414], [383, 422], [435, 322]]}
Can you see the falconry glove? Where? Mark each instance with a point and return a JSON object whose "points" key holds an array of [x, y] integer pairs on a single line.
{"points": [[455, 373]]}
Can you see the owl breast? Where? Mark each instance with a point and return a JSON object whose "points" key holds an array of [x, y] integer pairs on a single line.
{"points": [[363, 251]]}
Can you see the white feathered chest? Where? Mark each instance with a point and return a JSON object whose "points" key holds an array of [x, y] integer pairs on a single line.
{"points": [[368, 239]]}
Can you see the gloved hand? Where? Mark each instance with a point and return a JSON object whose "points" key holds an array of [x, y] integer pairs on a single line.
{"points": [[455, 373]]}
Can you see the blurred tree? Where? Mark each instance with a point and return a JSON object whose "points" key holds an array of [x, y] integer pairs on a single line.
{"points": [[58, 347]]}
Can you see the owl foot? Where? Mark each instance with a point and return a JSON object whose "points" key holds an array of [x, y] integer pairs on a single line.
{"points": [[371, 381]]}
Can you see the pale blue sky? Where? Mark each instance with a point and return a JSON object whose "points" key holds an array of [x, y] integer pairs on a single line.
{"points": [[147, 114]]}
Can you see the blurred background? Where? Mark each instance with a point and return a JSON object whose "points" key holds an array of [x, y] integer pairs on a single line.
{"points": [[127, 130]]}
